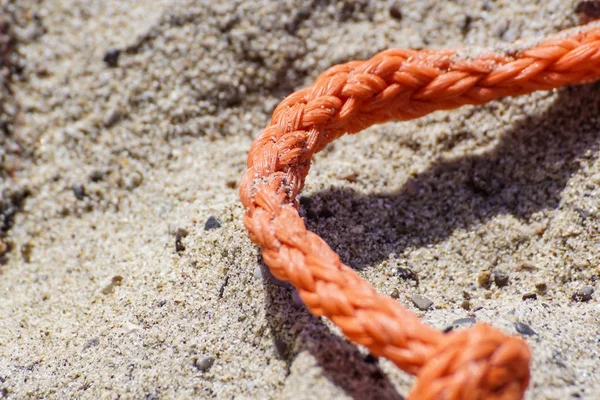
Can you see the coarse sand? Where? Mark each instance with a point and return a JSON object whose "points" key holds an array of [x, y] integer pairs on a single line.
{"points": [[124, 127]]}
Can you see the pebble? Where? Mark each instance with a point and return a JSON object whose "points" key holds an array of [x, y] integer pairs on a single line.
{"points": [[26, 250], [583, 294], [524, 329], [484, 278], [212, 223], [91, 343], [112, 117], [407, 274], [541, 287], [395, 11], [204, 363], [179, 235], [465, 305], [500, 278], [97, 176], [421, 302], [529, 296], [79, 191], [296, 298], [395, 294], [258, 272], [111, 57], [460, 322]]}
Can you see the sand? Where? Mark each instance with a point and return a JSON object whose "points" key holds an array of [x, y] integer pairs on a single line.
{"points": [[125, 127]]}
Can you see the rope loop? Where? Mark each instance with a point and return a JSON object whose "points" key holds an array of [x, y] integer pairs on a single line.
{"points": [[477, 363]]}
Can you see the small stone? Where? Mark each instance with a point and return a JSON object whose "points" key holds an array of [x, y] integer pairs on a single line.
{"points": [[111, 57], [395, 294], [460, 322], [484, 278], [258, 272], [79, 191], [296, 298], [465, 305], [351, 177], [421, 302], [96, 176], [583, 294], [112, 117], [212, 223], [204, 363], [91, 343], [407, 274], [395, 11], [117, 280], [500, 278], [541, 287], [524, 329], [529, 296], [180, 234]]}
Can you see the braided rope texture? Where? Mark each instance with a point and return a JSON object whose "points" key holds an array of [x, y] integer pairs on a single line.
{"points": [[476, 363]]}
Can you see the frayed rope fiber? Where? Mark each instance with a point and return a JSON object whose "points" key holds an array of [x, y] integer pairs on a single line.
{"points": [[476, 363]]}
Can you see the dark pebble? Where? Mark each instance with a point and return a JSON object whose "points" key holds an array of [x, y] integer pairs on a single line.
{"points": [[212, 223], [407, 274], [465, 305], [524, 329], [583, 294], [460, 322], [541, 287], [96, 176], [79, 191], [395, 294], [111, 57], [500, 278], [421, 302], [395, 11], [529, 296], [180, 234]]}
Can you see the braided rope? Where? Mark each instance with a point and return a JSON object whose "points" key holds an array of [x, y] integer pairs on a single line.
{"points": [[477, 363]]}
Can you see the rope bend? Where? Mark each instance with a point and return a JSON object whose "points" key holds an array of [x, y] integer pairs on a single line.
{"points": [[476, 363]]}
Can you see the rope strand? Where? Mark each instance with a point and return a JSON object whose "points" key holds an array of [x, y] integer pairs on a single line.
{"points": [[476, 363]]}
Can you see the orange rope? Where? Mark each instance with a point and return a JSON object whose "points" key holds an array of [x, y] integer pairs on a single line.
{"points": [[477, 363]]}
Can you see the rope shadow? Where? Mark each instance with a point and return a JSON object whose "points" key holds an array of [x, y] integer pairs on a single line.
{"points": [[525, 173], [294, 330]]}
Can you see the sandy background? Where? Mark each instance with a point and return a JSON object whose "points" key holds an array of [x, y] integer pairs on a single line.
{"points": [[111, 166]]}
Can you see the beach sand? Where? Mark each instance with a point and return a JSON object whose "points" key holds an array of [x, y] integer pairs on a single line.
{"points": [[125, 127]]}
